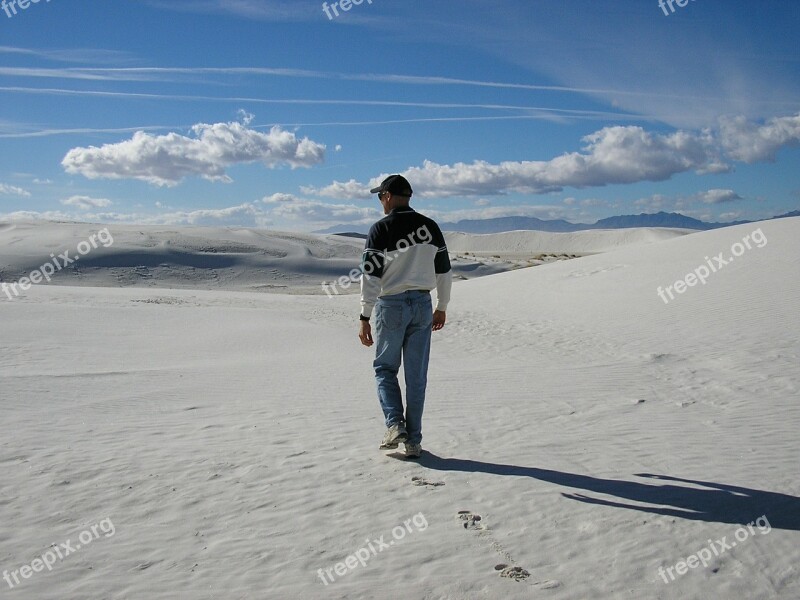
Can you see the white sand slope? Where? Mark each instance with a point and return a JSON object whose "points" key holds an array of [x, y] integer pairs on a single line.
{"points": [[191, 257], [222, 258], [582, 242], [231, 437]]}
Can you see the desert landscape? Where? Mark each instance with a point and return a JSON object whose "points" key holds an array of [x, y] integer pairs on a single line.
{"points": [[217, 438]]}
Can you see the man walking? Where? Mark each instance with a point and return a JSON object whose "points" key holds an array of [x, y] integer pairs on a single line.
{"points": [[405, 257]]}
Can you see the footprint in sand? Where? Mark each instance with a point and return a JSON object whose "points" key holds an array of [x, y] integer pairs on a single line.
{"points": [[425, 482], [515, 573], [470, 520]]}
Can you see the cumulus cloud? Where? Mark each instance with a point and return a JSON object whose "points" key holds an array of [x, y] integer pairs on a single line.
{"points": [[683, 203], [12, 190], [30, 215], [243, 215], [314, 211], [166, 160], [718, 196], [275, 198], [341, 191], [86, 202], [751, 143], [612, 155]]}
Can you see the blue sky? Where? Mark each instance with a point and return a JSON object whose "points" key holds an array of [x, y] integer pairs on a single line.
{"points": [[280, 114]]}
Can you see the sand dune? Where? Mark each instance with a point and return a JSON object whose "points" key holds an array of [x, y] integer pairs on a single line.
{"points": [[245, 259], [580, 242]]}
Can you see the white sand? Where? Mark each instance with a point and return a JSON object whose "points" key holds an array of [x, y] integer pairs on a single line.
{"points": [[231, 437], [580, 242]]}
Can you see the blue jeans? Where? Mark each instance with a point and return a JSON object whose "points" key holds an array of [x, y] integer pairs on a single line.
{"points": [[403, 330]]}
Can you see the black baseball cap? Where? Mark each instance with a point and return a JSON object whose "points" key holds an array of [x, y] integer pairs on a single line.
{"points": [[394, 184]]}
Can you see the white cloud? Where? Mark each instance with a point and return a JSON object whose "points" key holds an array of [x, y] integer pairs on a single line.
{"points": [[718, 196], [29, 215], [275, 198], [593, 202], [341, 191], [12, 190], [86, 202], [167, 159], [245, 117], [243, 215], [612, 155], [315, 212], [750, 143]]}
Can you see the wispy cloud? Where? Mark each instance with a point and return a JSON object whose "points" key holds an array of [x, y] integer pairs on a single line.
{"points": [[541, 111], [261, 10], [167, 74], [95, 56], [12, 190], [89, 130], [86, 202]]}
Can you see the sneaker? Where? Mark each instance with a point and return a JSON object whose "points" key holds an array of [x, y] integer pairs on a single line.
{"points": [[413, 450], [394, 435]]}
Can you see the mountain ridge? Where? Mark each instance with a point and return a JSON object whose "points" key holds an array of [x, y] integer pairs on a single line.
{"points": [[521, 223]]}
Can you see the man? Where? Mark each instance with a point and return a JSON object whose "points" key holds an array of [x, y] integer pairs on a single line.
{"points": [[405, 257]]}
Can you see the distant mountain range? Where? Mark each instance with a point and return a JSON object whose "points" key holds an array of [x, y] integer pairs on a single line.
{"points": [[500, 224]]}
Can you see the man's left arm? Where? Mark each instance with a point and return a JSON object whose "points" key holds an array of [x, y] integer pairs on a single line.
{"points": [[444, 280]]}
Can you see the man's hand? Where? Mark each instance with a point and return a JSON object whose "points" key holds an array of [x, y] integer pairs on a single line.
{"points": [[439, 319], [365, 333]]}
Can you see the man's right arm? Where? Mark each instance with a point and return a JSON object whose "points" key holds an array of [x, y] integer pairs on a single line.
{"points": [[372, 265]]}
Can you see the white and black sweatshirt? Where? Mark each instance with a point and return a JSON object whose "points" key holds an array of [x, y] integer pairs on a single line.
{"points": [[404, 251]]}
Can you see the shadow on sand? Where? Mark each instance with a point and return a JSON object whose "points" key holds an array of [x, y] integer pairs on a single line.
{"points": [[712, 502]]}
